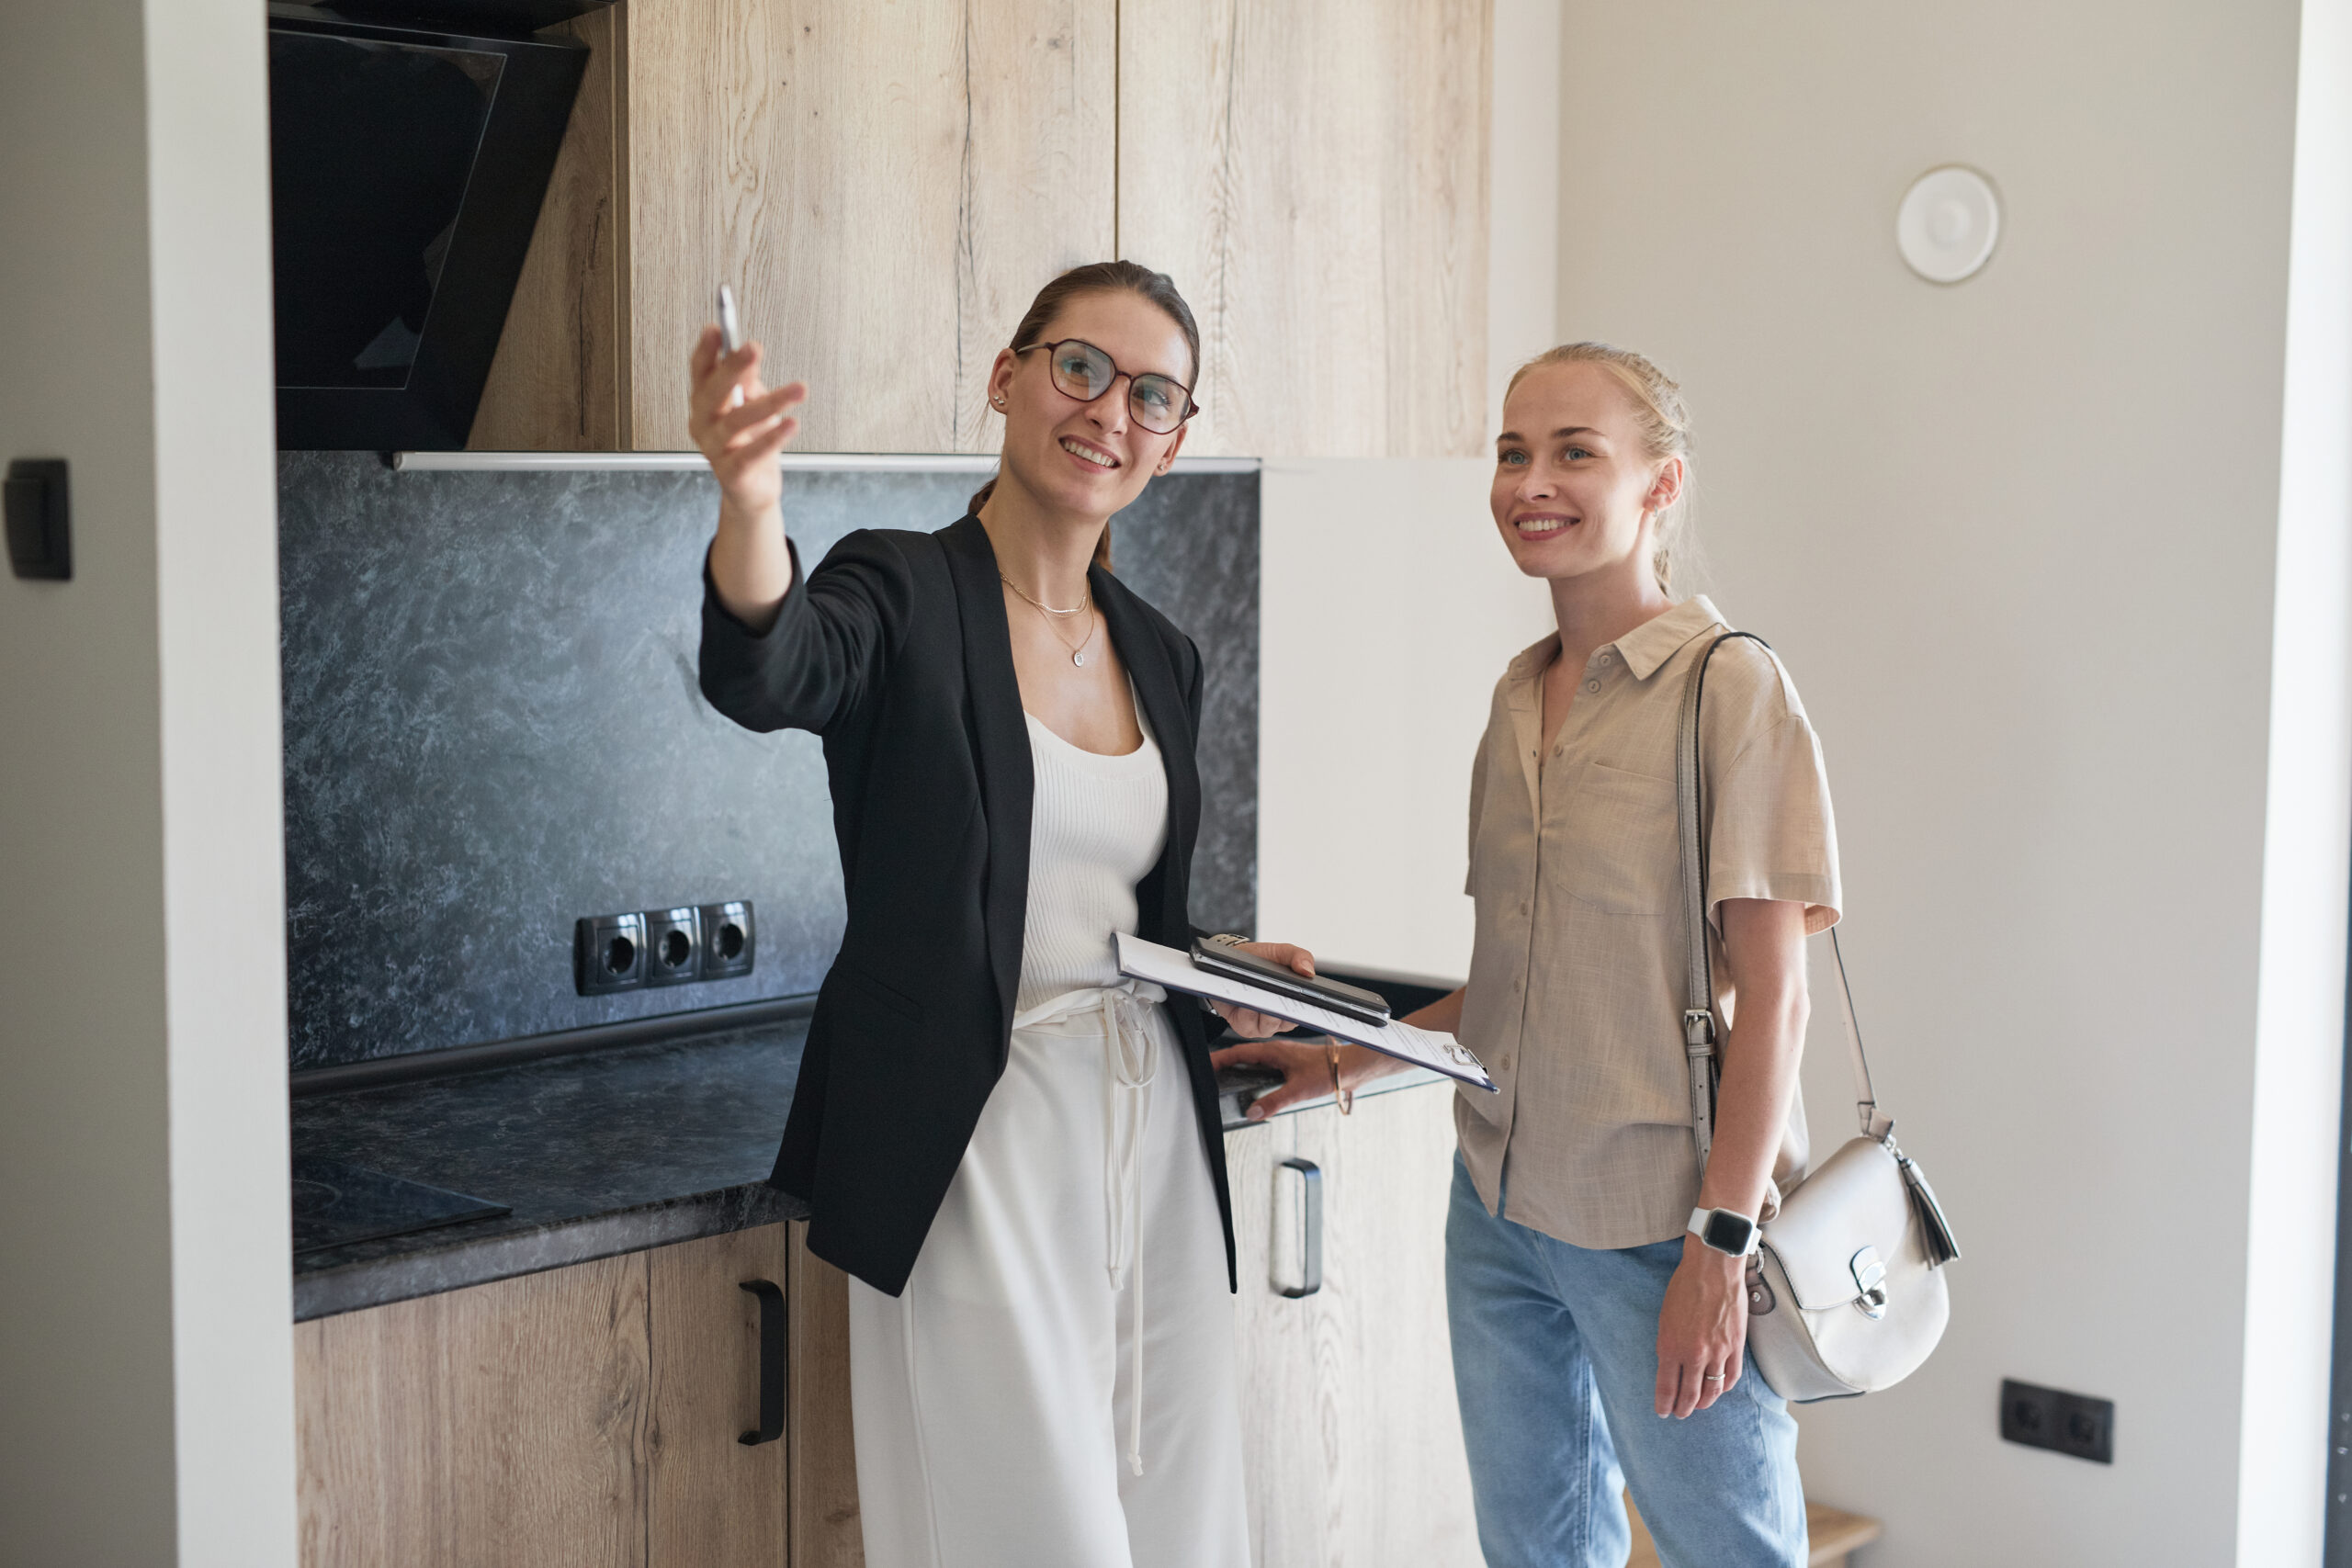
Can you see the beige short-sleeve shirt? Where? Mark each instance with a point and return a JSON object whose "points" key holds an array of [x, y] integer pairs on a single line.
{"points": [[1575, 999]]}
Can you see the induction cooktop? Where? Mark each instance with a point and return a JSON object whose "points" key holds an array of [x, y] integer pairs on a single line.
{"points": [[335, 1204]]}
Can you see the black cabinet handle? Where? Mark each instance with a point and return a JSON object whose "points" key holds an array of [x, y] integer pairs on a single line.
{"points": [[773, 1340], [1310, 1244]]}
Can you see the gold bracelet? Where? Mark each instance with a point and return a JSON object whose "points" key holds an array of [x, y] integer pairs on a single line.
{"points": [[1345, 1097]]}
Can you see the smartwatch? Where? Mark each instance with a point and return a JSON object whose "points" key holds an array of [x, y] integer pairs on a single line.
{"points": [[1726, 1230]]}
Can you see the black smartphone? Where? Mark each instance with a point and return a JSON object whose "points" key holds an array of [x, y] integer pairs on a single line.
{"points": [[1349, 1001]]}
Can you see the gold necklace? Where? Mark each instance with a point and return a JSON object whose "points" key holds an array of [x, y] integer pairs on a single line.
{"points": [[1077, 654], [1083, 604]]}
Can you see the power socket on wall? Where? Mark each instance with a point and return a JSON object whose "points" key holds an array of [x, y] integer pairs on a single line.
{"points": [[2063, 1423], [673, 946], [661, 947]]}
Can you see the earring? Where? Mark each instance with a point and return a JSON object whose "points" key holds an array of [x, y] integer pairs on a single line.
{"points": [[998, 400]]}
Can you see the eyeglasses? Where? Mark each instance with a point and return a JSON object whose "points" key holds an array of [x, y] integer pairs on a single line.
{"points": [[1082, 371]]}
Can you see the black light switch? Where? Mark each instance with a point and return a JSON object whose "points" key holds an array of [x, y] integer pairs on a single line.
{"points": [[40, 535]]}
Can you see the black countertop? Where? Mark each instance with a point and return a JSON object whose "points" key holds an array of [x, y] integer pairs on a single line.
{"points": [[595, 1153]]}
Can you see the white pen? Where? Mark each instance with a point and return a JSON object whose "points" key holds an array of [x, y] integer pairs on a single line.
{"points": [[731, 333]]}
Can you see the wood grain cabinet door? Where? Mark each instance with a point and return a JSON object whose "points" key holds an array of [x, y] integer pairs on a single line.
{"points": [[826, 1530], [498, 1427], [885, 185], [713, 1501], [1349, 1429], [556, 382], [1312, 173]]}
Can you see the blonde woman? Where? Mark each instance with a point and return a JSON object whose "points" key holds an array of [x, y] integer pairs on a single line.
{"points": [[1595, 1285]]}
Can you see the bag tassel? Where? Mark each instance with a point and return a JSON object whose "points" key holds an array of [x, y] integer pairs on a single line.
{"points": [[1935, 1231]]}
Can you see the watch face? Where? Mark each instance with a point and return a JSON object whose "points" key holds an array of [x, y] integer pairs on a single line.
{"points": [[1728, 1232]]}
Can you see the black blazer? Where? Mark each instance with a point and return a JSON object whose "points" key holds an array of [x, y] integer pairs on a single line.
{"points": [[896, 651]]}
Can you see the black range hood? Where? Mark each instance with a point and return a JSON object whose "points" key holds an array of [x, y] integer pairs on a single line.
{"points": [[408, 161]]}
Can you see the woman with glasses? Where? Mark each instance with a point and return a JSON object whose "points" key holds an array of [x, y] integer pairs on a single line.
{"points": [[1015, 1153]]}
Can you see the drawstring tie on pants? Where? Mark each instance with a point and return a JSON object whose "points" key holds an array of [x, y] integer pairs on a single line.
{"points": [[1131, 1052]]}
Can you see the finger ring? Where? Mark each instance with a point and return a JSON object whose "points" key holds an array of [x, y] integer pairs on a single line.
{"points": [[1714, 1377]]}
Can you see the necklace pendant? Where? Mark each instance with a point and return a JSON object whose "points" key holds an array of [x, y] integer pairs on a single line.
{"points": [[1079, 659]]}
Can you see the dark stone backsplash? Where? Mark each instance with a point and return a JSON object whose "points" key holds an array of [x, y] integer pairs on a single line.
{"points": [[493, 728]]}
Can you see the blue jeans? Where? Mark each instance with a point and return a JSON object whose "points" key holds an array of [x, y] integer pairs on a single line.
{"points": [[1556, 1365]]}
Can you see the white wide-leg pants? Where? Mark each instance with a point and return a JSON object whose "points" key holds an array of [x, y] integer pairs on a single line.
{"points": [[997, 1400]]}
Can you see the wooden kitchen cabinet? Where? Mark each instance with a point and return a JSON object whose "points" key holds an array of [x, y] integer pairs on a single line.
{"points": [[589, 1416], [582, 1416], [1349, 1429], [501, 1424], [711, 1498], [1352, 1439], [558, 383], [826, 1530], [887, 185], [1312, 173]]}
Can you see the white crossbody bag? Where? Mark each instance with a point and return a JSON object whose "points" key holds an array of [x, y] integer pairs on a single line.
{"points": [[1846, 1293]]}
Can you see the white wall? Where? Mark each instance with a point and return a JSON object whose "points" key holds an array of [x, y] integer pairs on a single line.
{"points": [[2015, 539], [1524, 194], [145, 1340]]}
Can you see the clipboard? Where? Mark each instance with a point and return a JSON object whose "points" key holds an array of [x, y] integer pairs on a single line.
{"points": [[1175, 971]]}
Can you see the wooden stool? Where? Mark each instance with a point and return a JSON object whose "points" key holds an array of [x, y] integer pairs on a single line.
{"points": [[1834, 1532]]}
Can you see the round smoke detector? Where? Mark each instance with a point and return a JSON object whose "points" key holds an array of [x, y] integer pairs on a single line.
{"points": [[1948, 223]]}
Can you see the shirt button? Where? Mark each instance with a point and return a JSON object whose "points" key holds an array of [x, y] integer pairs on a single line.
{"points": [[1605, 659], [1505, 1062], [1592, 685]]}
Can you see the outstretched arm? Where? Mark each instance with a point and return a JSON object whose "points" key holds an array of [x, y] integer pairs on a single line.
{"points": [[740, 426], [777, 652]]}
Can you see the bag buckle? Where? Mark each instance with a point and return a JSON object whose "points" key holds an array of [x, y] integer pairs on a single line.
{"points": [[1699, 1029], [1870, 1279]]}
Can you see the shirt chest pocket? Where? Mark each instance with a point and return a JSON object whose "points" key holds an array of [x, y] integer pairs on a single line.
{"points": [[1616, 838]]}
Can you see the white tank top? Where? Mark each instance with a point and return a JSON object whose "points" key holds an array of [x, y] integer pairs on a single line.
{"points": [[1096, 826]]}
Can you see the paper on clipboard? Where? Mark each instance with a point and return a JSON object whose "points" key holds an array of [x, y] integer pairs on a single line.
{"points": [[1422, 1047]]}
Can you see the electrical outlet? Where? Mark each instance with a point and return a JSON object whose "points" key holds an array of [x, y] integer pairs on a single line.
{"points": [[607, 953], [673, 946], [2063, 1423], [727, 940]]}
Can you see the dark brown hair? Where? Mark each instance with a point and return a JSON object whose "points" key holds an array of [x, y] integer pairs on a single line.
{"points": [[1102, 278]]}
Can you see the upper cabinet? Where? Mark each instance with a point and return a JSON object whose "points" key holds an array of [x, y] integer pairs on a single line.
{"points": [[886, 186], [1313, 174], [558, 382]]}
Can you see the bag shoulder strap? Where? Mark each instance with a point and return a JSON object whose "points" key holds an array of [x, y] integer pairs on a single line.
{"points": [[1699, 1024]]}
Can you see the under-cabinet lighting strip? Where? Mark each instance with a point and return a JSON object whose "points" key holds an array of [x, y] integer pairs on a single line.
{"points": [[794, 462]]}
